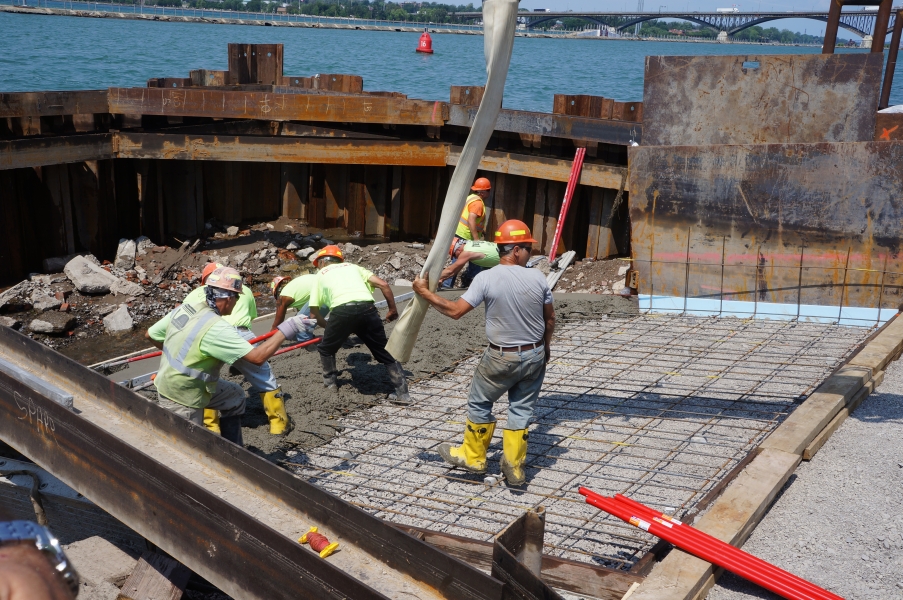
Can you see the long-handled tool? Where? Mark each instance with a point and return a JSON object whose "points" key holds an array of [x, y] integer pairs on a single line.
{"points": [[576, 167], [709, 548]]}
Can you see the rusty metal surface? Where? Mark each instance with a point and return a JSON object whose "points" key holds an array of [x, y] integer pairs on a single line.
{"points": [[190, 102], [45, 104], [38, 152], [280, 149], [797, 98], [552, 169], [792, 223], [605, 131], [203, 530]]}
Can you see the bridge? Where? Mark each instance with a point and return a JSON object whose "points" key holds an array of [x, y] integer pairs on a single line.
{"points": [[860, 22]]}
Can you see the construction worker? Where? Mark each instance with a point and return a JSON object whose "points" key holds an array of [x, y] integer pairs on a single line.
{"points": [[520, 321], [294, 293], [473, 217], [260, 377], [478, 256], [196, 341], [347, 290]]}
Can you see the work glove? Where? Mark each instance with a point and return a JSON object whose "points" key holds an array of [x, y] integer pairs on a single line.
{"points": [[290, 328]]}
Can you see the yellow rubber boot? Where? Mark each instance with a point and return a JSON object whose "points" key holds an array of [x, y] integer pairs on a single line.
{"points": [[514, 455], [280, 423], [471, 455], [211, 420]]}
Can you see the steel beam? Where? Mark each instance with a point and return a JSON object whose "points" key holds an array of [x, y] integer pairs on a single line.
{"points": [[280, 149], [48, 104], [38, 152], [240, 554], [553, 169], [189, 102], [580, 128]]}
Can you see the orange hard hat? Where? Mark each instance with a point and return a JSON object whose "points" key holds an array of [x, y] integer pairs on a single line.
{"points": [[225, 278], [208, 269], [514, 232], [333, 251], [276, 284], [481, 184]]}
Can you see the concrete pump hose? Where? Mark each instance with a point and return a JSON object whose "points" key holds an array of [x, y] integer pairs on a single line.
{"points": [[499, 24]]}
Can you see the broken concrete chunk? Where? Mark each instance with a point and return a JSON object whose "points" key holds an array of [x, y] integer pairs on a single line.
{"points": [[42, 301], [87, 277], [99, 561], [617, 286], [52, 322], [106, 309], [403, 283], [350, 248], [262, 254], [623, 270], [395, 262], [143, 244], [240, 258], [119, 321], [128, 288], [10, 322], [232, 230], [292, 246], [304, 252], [273, 262], [125, 254]]}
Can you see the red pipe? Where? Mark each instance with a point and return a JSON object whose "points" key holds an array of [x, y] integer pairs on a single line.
{"points": [[126, 361], [566, 204], [716, 545], [296, 346], [712, 550]]}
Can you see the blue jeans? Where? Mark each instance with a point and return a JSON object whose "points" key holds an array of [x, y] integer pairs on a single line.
{"points": [[303, 336], [470, 271], [261, 378], [518, 373]]}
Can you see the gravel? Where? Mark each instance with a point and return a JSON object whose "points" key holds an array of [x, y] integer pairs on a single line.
{"points": [[839, 520]]}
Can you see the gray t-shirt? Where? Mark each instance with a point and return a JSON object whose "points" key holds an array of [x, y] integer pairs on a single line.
{"points": [[514, 298]]}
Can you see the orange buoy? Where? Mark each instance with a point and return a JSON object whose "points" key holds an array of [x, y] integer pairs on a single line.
{"points": [[425, 44]]}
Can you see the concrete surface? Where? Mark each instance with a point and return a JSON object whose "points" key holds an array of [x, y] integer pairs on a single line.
{"points": [[838, 522]]}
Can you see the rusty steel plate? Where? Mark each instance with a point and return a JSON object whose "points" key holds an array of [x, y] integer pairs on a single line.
{"points": [[760, 99], [791, 223]]}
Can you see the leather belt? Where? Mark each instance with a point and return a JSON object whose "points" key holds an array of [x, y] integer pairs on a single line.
{"points": [[516, 348]]}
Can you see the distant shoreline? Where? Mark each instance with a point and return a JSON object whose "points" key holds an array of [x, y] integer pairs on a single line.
{"points": [[410, 28]]}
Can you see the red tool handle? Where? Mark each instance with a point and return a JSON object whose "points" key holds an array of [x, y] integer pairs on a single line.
{"points": [[717, 545], [158, 353], [721, 554], [568, 194], [296, 346]]}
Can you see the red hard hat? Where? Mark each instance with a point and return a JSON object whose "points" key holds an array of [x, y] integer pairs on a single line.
{"points": [[333, 251], [481, 184], [208, 269], [225, 278], [514, 232], [276, 284]]}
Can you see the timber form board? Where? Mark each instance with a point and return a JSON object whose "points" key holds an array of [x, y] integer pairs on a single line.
{"points": [[734, 515]]}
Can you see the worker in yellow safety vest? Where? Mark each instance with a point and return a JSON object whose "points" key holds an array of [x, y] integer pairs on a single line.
{"points": [[295, 293], [196, 341], [473, 217], [347, 289], [260, 377]]}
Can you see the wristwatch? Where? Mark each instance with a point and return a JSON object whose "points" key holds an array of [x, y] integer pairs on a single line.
{"points": [[13, 532]]}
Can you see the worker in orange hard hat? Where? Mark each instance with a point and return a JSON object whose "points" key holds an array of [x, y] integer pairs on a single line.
{"points": [[347, 289], [520, 321], [473, 217], [196, 341], [295, 293]]}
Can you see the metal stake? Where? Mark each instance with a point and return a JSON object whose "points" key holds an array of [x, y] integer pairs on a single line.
{"points": [[721, 288], [687, 273], [799, 285], [843, 289]]}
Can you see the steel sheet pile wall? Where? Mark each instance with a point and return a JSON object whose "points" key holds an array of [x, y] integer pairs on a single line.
{"points": [[762, 186]]}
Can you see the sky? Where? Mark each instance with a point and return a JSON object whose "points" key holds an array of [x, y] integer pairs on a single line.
{"points": [[800, 25]]}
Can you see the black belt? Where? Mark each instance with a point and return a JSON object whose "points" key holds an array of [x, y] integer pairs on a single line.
{"points": [[516, 348]]}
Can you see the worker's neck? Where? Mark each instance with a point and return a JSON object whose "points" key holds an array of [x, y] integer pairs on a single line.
{"points": [[509, 261]]}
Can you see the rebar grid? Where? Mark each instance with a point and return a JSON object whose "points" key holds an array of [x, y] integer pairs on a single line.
{"points": [[657, 407]]}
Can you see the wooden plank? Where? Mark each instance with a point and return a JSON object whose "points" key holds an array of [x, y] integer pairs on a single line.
{"points": [[568, 575], [190, 102], [278, 149], [545, 168], [36, 152], [885, 347], [820, 439], [681, 576], [42, 104], [156, 577]]}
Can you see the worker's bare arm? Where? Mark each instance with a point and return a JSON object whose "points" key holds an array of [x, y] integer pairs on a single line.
{"points": [[548, 315], [264, 351], [281, 306], [315, 314], [154, 343], [387, 294], [453, 269], [472, 224], [455, 310]]}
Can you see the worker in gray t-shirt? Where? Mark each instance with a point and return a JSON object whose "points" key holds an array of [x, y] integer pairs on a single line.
{"points": [[520, 321]]}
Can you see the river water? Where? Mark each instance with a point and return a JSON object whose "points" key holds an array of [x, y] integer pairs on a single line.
{"points": [[68, 53]]}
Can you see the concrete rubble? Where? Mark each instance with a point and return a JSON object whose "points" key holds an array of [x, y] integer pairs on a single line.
{"points": [[125, 254], [119, 320]]}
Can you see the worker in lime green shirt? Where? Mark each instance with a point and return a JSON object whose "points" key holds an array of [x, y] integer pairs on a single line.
{"points": [[196, 342], [295, 293], [477, 255], [347, 290], [260, 377]]}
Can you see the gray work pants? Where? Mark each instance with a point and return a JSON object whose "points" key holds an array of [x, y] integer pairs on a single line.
{"points": [[228, 399]]}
